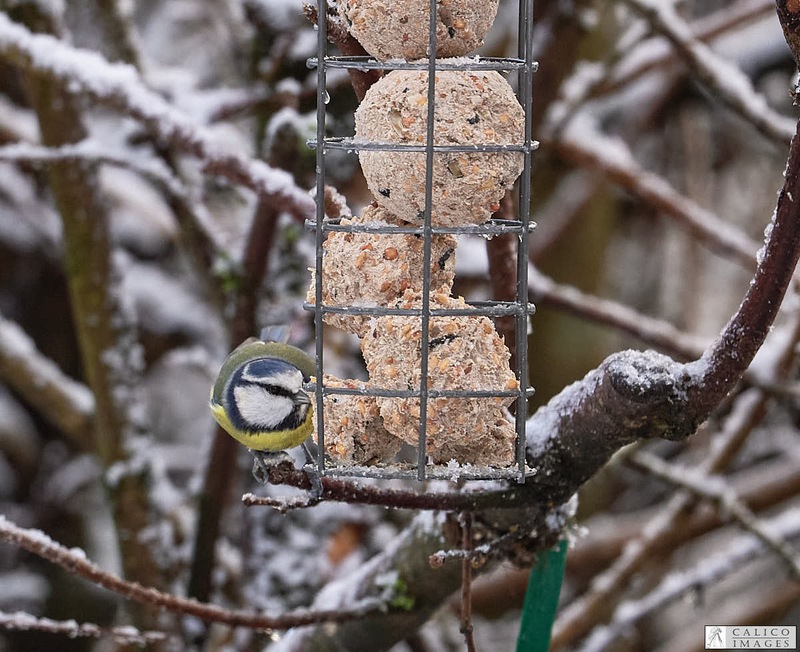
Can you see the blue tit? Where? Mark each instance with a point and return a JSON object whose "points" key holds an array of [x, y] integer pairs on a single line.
{"points": [[258, 397]]}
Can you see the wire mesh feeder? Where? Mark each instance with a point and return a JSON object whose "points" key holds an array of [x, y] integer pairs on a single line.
{"points": [[524, 67]]}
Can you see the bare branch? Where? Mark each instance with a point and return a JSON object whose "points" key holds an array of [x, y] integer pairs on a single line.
{"points": [[585, 146], [125, 635], [150, 168], [465, 520], [218, 478], [656, 332], [677, 584], [63, 401], [355, 492], [704, 29], [768, 485], [726, 80], [75, 562], [120, 87], [714, 488]]}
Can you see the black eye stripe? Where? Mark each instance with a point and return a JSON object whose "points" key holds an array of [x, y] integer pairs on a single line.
{"points": [[278, 390]]}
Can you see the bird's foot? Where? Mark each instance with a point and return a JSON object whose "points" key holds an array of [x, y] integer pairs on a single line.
{"points": [[263, 461]]}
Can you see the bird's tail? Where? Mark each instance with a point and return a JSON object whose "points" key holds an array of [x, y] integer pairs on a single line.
{"points": [[276, 333]]}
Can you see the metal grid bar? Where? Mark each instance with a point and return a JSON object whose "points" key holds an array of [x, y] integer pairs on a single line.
{"points": [[413, 393], [479, 308], [475, 62], [492, 227], [520, 308], [355, 144], [525, 85], [426, 257], [322, 50]]}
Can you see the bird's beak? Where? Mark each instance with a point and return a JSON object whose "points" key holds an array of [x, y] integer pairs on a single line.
{"points": [[301, 398]]}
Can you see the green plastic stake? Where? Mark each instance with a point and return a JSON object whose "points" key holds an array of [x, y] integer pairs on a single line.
{"points": [[541, 600]]}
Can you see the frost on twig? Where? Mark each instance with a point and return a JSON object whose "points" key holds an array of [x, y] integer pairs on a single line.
{"points": [[125, 635], [680, 583], [74, 561]]}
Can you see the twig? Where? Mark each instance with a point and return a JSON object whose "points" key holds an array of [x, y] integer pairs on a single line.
{"points": [[656, 332], [152, 169], [75, 562], [478, 555], [353, 492], [726, 80], [704, 29], [124, 635], [120, 87], [62, 400], [584, 145], [465, 520], [677, 584], [770, 484], [218, 478], [716, 489]]}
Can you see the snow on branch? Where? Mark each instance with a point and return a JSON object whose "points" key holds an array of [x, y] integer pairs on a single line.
{"points": [[74, 561], [584, 145], [124, 635], [678, 584], [656, 332], [726, 80], [119, 86], [151, 168], [714, 488], [62, 400]]}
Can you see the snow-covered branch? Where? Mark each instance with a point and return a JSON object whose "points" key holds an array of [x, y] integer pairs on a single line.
{"points": [[701, 576], [119, 86], [124, 635], [714, 488], [655, 332], [726, 80], [74, 561], [63, 401], [584, 145]]}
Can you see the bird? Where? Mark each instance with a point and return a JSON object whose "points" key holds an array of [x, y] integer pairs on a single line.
{"points": [[259, 400]]}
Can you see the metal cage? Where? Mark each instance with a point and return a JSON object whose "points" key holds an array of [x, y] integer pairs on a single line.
{"points": [[524, 67]]}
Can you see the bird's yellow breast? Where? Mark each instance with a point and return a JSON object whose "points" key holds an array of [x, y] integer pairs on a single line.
{"points": [[276, 440]]}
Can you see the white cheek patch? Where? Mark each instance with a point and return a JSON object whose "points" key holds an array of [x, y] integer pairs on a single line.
{"points": [[259, 407], [291, 380]]}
